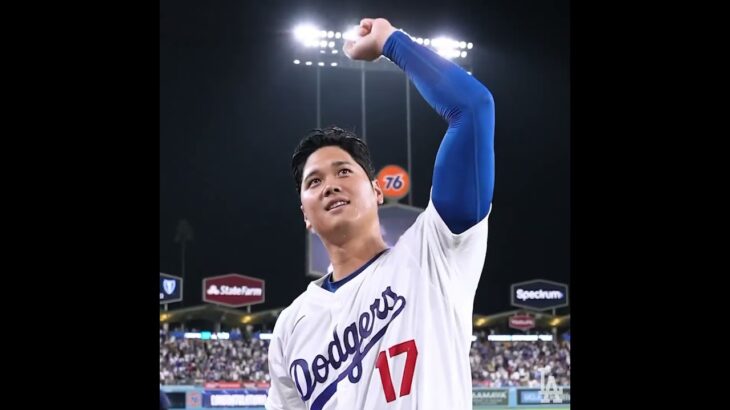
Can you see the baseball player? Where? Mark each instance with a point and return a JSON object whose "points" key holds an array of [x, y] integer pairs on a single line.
{"points": [[390, 327]]}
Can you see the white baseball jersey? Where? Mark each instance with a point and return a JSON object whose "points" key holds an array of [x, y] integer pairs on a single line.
{"points": [[396, 336]]}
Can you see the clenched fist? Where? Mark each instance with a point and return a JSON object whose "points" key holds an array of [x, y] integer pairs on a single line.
{"points": [[373, 34]]}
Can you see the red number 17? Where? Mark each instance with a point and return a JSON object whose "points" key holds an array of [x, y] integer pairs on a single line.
{"points": [[408, 347]]}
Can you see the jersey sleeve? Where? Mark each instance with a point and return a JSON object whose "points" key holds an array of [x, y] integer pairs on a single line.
{"points": [[463, 176], [452, 262]]}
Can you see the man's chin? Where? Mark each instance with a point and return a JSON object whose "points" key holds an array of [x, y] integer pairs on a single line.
{"points": [[338, 229]]}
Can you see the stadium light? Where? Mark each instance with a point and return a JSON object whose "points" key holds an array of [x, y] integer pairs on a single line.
{"points": [[449, 48], [448, 53], [305, 33], [312, 36]]}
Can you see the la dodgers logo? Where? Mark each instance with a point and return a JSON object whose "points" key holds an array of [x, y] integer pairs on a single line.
{"points": [[346, 349]]}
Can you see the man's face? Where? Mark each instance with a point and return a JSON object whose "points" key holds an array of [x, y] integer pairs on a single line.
{"points": [[337, 194]]}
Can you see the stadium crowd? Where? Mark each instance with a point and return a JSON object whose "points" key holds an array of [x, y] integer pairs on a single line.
{"points": [[493, 364]]}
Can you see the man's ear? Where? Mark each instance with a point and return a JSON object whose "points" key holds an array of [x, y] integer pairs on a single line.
{"points": [[378, 192]]}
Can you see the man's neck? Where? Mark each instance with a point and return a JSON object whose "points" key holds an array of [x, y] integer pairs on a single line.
{"points": [[346, 257]]}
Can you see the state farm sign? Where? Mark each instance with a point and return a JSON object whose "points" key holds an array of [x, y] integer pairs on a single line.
{"points": [[233, 290]]}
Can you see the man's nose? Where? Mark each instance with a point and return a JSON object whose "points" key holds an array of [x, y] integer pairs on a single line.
{"points": [[331, 189]]}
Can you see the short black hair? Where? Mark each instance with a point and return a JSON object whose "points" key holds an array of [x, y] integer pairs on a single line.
{"points": [[328, 136]]}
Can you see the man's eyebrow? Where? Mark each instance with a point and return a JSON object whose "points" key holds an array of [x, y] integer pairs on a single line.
{"points": [[334, 164]]}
